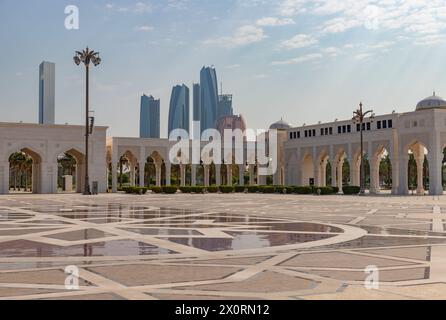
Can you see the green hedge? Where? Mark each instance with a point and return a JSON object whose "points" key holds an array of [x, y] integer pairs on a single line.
{"points": [[335, 190], [186, 189], [170, 189], [156, 189], [303, 190], [212, 189], [135, 190], [323, 190], [253, 189], [240, 189], [289, 190], [196, 189], [351, 190], [226, 189], [267, 189], [279, 189]]}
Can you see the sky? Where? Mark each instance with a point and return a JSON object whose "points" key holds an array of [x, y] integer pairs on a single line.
{"points": [[302, 60]]}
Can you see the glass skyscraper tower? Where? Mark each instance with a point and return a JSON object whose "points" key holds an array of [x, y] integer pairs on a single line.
{"points": [[209, 98], [179, 109], [47, 92], [149, 119]]}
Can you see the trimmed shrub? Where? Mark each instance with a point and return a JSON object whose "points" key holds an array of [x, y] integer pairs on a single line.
{"points": [[239, 189], [267, 189], [156, 189], [186, 189], [212, 189], [324, 190], [289, 190], [170, 189], [303, 190], [198, 189], [253, 189], [351, 190], [335, 190], [226, 189], [127, 190], [279, 189], [144, 190]]}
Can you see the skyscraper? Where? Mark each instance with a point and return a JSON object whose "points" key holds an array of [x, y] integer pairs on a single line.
{"points": [[47, 91], [209, 98], [149, 119], [197, 102], [179, 109], [225, 106]]}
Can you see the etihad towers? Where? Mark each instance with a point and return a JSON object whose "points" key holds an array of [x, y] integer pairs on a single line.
{"points": [[179, 109], [208, 98]]}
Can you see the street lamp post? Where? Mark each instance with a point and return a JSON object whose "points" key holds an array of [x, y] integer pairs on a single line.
{"points": [[86, 57], [359, 117]]}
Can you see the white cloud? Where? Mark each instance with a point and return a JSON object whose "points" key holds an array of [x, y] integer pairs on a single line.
{"points": [[144, 28], [301, 59], [243, 36], [292, 7], [274, 22], [233, 66], [299, 41], [363, 56], [138, 7], [407, 17], [260, 76]]}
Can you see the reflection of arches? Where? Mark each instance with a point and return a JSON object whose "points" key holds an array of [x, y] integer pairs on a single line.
{"points": [[36, 167], [307, 170]]}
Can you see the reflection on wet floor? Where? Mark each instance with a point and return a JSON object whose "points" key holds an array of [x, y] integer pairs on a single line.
{"points": [[396, 231], [248, 240], [89, 226], [25, 248]]}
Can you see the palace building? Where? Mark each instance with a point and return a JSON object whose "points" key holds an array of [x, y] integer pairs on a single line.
{"points": [[309, 155]]}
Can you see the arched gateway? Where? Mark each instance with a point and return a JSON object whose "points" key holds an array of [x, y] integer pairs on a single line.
{"points": [[403, 152], [393, 144]]}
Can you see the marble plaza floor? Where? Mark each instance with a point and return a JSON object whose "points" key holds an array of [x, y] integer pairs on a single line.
{"points": [[239, 246]]}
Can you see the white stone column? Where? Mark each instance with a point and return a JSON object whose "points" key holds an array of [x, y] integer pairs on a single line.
{"points": [[168, 173], [229, 174], [334, 167], [206, 170], [218, 174], [324, 173], [132, 174], [435, 166], [374, 176], [183, 175], [193, 172], [46, 176], [241, 175], [420, 166], [142, 167], [4, 177], [339, 170], [403, 177], [251, 174], [158, 171]]}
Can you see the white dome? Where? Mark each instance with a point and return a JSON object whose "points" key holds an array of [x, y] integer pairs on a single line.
{"points": [[280, 125], [433, 102]]}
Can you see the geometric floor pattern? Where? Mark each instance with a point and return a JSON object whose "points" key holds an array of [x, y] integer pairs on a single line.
{"points": [[240, 246]]}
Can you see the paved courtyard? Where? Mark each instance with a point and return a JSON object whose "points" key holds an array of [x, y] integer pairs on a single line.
{"points": [[239, 246]]}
